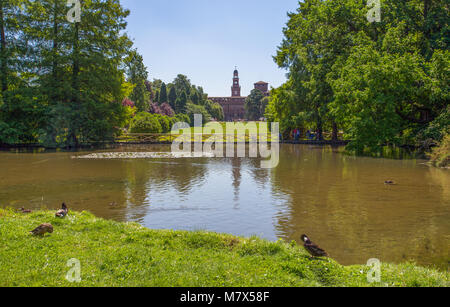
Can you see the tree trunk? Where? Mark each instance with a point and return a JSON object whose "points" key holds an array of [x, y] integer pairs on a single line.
{"points": [[319, 129], [3, 57], [75, 87], [55, 46], [335, 137], [76, 65]]}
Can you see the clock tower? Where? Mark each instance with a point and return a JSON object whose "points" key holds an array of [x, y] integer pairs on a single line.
{"points": [[236, 88]]}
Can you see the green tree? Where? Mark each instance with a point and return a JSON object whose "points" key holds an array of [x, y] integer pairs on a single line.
{"points": [[145, 123], [137, 75], [253, 105], [215, 110], [372, 79], [192, 110], [156, 100], [181, 103], [7, 25], [182, 84], [163, 94], [195, 98], [172, 97], [92, 53]]}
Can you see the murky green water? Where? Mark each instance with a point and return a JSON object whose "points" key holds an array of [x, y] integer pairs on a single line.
{"points": [[340, 201]]}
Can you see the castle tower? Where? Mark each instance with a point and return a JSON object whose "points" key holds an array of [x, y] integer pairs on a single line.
{"points": [[263, 87], [236, 88]]}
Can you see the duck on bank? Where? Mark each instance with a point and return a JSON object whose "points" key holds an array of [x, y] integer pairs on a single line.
{"points": [[126, 254]]}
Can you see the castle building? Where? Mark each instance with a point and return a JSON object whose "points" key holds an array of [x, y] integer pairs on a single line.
{"points": [[233, 107]]}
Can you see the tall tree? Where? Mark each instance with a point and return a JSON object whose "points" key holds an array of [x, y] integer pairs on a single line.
{"points": [[372, 79], [137, 75], [195, 98], [182, 84], [172, 97], [181, 103], [253, 105], [163, 94], [3, 55], [11, 17]]}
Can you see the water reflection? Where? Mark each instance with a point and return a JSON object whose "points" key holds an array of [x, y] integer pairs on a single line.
{"points": [[339, 200]]}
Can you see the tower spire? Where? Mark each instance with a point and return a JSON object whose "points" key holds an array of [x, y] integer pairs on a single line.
{"points": [[236, 88]]}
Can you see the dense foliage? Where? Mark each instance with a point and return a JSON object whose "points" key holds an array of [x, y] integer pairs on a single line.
{"points": [[145, 122], [67, 84], [440, 156], [185, 98], [62, 82], [254, 109], [381, 83]]}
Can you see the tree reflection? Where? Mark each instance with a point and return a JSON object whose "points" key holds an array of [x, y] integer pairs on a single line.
{"points": [[342, 202]]}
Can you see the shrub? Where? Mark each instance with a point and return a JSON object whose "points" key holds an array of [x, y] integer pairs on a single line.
{"points": [[164, 122], [438, 128], [167, 110], [181, 118], [155, 109], [145, 123], [127, 103], [193, 109], [440, 156]]}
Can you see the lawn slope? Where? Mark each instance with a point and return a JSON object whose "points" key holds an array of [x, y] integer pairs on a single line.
{"points": [[126, 254]]}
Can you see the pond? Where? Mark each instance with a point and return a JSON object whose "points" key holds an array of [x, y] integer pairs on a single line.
{"points": [[340, 201]]}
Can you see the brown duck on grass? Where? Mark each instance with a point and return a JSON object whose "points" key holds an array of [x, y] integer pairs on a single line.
{"points": [[42, 230], [63, 211], [312, 248], [23, 210]]}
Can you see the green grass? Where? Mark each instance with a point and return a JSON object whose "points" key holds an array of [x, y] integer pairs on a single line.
{"points": [[126, 254]]}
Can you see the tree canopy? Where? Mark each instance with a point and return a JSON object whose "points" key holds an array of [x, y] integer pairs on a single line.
{"points": [[380, 82], [62, 81], [66, 83]]}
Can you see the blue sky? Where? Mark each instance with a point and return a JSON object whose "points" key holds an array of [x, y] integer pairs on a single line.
{"points": [[206, 39]]}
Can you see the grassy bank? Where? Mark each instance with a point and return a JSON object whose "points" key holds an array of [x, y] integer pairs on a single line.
{"points": [[126, 254]]}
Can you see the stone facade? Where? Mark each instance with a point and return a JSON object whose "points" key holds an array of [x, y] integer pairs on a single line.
{"points": [[233, 107]]}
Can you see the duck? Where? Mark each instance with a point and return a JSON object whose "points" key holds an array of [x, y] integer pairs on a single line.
{"points": [[23, 210], [312, 248], [390, 182], [62, 212], [42, 229]]}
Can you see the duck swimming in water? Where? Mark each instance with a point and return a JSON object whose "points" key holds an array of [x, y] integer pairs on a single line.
{"points": [[42, 230], [62, 212], [312, 248], [389, 182]]}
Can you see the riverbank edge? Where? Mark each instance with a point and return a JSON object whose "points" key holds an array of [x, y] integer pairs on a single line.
{"points": [[127, 254], [100, 145]]}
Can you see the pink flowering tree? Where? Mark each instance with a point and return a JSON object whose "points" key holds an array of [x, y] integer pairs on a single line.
{"points": [[128, 103], [167, 110]]}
